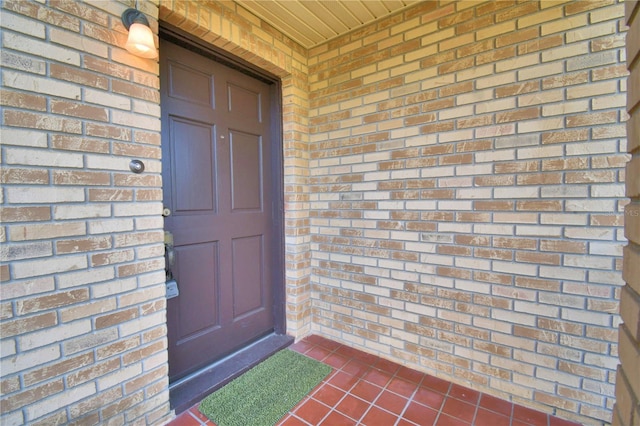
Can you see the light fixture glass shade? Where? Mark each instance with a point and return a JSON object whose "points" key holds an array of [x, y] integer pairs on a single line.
{"points": [[140, 41]]}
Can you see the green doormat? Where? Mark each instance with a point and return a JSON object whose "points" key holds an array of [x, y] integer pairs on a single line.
{"points": [[264, 394]]}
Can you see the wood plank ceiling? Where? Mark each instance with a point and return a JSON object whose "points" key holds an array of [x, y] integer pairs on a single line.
{"points": [[312, 22]]}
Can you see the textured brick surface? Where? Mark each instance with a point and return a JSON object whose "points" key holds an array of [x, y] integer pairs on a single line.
{"points": [[467, 196], [454, 200], [627, 408], [75, 273]]}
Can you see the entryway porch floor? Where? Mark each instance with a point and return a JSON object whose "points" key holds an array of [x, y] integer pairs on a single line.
{"points": [[367, 390]]}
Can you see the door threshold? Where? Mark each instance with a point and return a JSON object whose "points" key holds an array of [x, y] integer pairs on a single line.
{"points": [[186, 392]]}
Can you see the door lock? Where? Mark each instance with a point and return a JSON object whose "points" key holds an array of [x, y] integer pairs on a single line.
{"points": [[170, 259]]}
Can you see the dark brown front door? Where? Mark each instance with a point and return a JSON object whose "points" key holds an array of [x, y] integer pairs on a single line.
{"points": [[217, 177]]}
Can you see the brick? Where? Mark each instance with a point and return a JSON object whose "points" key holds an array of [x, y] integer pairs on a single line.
{"points": [[12, 252], [43, 195], [45, 231], [56, 369], [22, 63], [23, 100], [24, 214], [83, 245], [31, 395], [17, 289], [75, 75], [69, 177], [23, 138], [48, 266], [40, 49], [79, 110], [41, 122], [368, 189], [26, 325], [87, 309], [107, 131]]}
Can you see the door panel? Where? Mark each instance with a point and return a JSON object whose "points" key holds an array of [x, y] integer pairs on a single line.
{"points": [[190, 85], [194, 167], [246, 170], [248, 285], [217, 182], [197, 264], [245, 101]]}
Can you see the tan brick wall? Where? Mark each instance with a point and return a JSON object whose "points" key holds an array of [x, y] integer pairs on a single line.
{"points": [[456, 172], [627, 408], [467, 196], [83, 307]]}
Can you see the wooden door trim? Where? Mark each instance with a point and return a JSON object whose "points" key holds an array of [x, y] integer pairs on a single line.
{"points": [[188, 41]]}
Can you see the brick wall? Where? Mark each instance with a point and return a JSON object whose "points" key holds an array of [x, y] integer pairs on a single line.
{"points": [[627, 411], [456, 172], [83, 308], [467, 196]]}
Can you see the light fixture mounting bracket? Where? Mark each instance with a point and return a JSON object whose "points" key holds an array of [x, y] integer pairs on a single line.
{"points": [[133, 16]]}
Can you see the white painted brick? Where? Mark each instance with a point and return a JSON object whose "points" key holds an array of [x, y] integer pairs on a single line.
{"points": [[538, 71], [120, 376], [94, 275], [59, 264], [45, 337], [470, 170], [44, 195], [563, 218], [42, 85], [496, 80], [518, 62], [19, 62], [493, 229], [516, 192], [32, 138], [475, 73], [475, 97], [562, 273], [63, 399], [473, 286], [113, 287], [108, 99], [135, 120], [39, 157], [540, 152], [40, 49], [539, 231], [542, 125], [13, 252], [495, 105], [81, 211], [565, 108], [30, 359], [590, 205], [552, 191], [22, 25], [474, 193], [536, 309], [586, 317], [513, 317], [513, 268]]}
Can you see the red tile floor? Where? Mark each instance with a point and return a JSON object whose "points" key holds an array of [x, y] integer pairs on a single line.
{"points": [[367, 390]]}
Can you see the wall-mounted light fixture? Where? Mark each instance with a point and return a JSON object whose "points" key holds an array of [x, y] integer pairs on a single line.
{"points": [[140, 41]]}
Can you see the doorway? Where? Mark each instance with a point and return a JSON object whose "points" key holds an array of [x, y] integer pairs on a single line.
{"points": [[222, 191]]}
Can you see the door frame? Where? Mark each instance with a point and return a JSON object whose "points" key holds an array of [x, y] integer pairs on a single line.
{"points": [[188, 41]]}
